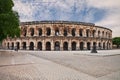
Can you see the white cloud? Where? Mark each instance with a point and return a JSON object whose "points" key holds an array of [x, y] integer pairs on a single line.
{"points": [[64, 8]]}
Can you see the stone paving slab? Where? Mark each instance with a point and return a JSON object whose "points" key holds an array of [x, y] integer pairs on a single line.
{"points": [[96, 66], [40, 70], [64, 65]]}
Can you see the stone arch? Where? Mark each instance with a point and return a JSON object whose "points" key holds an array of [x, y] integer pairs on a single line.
{"points": [[93, 33], [107, 45], [81, 45], [24, 45], [65, 46], [103, 45], [39, 45], [24, 31], [57, 46], [48, 46], [48, 31], [106, 35], [87, 33], [99, 45], [81, 32], [94, 43], [73, 32], [31, 47], [103, 34], [65, 32], [56, 32], [73, 45], [32, 31], [88, 45], [8, 45], [40, 32], [12, 46], [18, 45], [98, 33]]}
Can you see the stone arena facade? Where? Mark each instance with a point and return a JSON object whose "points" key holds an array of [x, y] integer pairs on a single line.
{"points": [[60, 36]]}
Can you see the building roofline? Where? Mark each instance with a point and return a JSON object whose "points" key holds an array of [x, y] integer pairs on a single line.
{"points": [[61, 22]]}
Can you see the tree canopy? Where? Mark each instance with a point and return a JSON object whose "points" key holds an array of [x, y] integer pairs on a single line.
{"points": [[116, 41], [9, 20]]}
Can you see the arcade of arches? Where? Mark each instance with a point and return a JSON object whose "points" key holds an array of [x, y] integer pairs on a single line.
{"points": [[60, 36]]}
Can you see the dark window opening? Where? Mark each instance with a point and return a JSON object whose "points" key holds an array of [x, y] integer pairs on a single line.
{"points": [[56, 32], [87, 33], [12, 47], [39, 46], [32, 31], [88, 46], [93, 33], [73, 45], [8, 46], [24, 45], [48, 32], [98, 33], [65, 46], [81, 45], [65, 32], [18, 45], [24, 32], [73, 32], [31, 47], [81, 32], [40, 32], [57, 46], [48, 46]]}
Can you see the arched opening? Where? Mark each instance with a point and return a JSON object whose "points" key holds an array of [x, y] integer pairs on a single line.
{"points": [[98, 33], [104, 45], [24, 32], [73, 45], [57, 46], [12, 47], [81, 45], [106, 35], [32, 31], [8, 45], [93, 33], [99, 45], [39, 45], [24, 45], [40, 31], [81, 32], [48, 31], [65, 46], [48, 46], [73, 32], [18, 45], [103, 34], [94, 43], [31, 47], [107, 45], [87, 33], [65, 32], [56, 32], [88, 46]]}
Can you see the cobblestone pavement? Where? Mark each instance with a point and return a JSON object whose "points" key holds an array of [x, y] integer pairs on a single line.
{"points": [[20, 66], [64, 65], [103, 64]]}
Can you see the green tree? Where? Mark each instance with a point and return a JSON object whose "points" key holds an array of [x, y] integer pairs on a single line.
{"points": [[9, 20], [116, 41]]}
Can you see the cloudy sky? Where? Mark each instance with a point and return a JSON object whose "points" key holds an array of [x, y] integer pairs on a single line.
{"points": [[101, 12]]}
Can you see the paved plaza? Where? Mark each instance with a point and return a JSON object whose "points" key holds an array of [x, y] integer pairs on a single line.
{"points": [[60, 65]]}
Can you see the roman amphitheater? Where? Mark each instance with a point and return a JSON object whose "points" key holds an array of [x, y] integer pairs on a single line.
{"points": [[60, 35]]}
